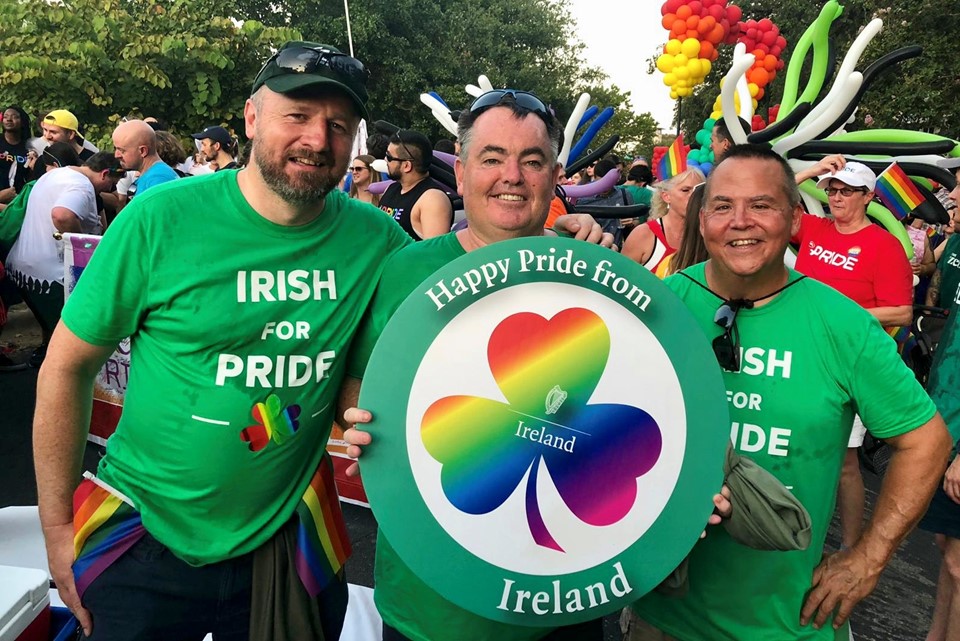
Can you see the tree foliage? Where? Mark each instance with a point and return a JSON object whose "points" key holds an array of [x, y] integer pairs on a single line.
{"points": [[414, 46], [192, 61], [103, 59], [921, 94]]}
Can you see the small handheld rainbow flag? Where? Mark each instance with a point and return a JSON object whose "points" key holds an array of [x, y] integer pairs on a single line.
{"points": [[674, 161], [897, 191]]}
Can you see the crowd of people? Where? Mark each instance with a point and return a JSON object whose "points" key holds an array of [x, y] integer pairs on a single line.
{"points": [[207, 521]]}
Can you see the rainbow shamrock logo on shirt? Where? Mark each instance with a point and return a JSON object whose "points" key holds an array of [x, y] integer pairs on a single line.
{"points": [[274, 422], [547, 370]]}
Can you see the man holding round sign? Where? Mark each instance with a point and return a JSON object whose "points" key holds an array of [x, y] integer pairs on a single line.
{"points": [[800, 360], [523, 487]]}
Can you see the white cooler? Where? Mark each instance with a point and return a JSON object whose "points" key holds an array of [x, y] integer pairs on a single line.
{"points": [[24, 604]]}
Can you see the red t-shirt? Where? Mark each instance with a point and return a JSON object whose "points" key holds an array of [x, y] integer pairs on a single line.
{"points": [[868, 266]]}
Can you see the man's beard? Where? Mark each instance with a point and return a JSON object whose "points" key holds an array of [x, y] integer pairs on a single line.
{"points": [[395, 175], [302, 191]]}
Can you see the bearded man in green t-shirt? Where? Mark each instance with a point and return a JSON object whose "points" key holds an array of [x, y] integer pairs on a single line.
{"points": [[241, 292], [800, 360]]}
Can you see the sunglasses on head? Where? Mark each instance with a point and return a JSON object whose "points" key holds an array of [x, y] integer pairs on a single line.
{"points": [[524, 99], [726, 346]]}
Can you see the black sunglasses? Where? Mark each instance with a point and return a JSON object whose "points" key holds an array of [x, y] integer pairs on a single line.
{"points": [[324, 62], [524, 99], [726, 347], [390, 158]]}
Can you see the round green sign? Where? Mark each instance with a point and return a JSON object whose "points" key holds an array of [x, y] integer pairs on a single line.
{"points": [[549, 420]]}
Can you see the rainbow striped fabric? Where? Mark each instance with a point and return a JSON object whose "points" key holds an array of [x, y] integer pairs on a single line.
{"points": [[322, 542], [674, 161], [104, 527], [895, 189]]}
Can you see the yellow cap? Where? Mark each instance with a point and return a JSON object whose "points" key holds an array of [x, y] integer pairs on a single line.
{"points": [[62, 118]]}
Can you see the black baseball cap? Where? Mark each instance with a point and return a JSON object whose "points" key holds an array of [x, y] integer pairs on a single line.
{"points": [[299, 64], [216, 134]]}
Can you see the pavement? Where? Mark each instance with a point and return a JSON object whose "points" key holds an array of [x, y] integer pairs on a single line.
{"points": [[898, 610]]}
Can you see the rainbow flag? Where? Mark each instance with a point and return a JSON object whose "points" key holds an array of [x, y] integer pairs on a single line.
{"points": [[322, 542], [104, 527], [897, 191], [674, 161]]}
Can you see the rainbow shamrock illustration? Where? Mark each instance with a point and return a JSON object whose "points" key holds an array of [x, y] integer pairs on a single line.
{"points": [[274, 421], [547, 370]]}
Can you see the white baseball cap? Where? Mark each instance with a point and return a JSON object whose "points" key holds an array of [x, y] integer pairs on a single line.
{"points": [[854, 174]]}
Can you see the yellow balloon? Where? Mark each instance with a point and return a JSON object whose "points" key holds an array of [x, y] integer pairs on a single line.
{"points": [[682, 73], [754, 89], [754, 103], [716, 114], [673, 46], [665, 63], [674, 94], [695, 68], [707, 65], [683, 93], [680, 60], [670, 79], [690, 47]]}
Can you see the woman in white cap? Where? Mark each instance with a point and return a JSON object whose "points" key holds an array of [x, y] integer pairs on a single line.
{"points": [[867, 264]]}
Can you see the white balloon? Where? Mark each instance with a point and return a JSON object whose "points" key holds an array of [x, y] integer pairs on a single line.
{"points": [[485, 83], [743, 91], [727, 102], [809, 131], [440, 111], [571, 129], [843, 73], [474, 91]]}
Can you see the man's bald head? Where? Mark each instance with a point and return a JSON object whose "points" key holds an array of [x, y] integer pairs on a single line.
{"points": [[134, 141]]}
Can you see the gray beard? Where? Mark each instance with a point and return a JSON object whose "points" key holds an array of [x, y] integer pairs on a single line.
{"points": [[302, 194]]}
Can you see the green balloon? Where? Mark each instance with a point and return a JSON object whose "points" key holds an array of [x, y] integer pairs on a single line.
{"points": [[816, 35]]}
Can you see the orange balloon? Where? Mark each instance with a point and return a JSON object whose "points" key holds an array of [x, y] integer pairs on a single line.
{"points": [[760, 77], [716, 34], [679, 28], [692, 22], [692, 33], [770, 63], [684, 12], [668, 21], [707, 49]]}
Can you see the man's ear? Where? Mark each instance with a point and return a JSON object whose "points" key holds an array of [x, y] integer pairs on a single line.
{"points": [[458, 172]]}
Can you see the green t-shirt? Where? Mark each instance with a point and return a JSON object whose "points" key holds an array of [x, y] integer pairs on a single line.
{"points": [[949, 266], [811, 359], [239, 331], [641, 195], [404, 601]]}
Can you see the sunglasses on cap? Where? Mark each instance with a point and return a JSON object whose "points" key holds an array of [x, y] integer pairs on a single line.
{"points": [[726, 347], [318, 61]]}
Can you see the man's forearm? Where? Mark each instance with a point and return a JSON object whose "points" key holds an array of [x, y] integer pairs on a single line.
{"points": [[912, 477], [60, 427]]}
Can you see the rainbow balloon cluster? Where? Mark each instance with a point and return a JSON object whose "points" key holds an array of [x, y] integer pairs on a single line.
{"points": [[697, 28]]}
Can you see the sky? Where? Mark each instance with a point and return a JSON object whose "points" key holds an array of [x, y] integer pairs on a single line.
{"points": [[620, 35]]}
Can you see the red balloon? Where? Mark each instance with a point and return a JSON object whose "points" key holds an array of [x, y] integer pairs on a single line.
{"points": [[696, 7], [776, 51], [734, 13], [768, 38], [781, 42], [717, 12], [765, 24]]}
